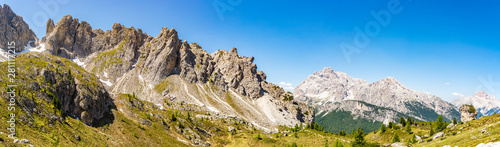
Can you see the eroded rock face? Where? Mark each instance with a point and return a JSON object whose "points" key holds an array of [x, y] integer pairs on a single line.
{"points": [[14, 29], [468, 113]]}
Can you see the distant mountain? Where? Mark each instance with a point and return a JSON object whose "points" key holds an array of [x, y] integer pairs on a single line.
{"points": [[330, 91], [486, 104]]}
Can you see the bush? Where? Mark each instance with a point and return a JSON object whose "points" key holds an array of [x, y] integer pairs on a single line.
{"points": [[472, 109], [342, 133], [258, 137]]}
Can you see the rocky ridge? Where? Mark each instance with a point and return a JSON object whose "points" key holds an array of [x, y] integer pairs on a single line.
{"points": [[129, 61], [328, 90]]}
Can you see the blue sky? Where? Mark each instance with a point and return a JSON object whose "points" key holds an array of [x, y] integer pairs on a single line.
{"points": [[441, 48]]}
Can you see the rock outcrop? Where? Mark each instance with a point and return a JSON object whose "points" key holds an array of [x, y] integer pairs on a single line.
{"points": [[14, 29], [62, 83], [468, 113]]}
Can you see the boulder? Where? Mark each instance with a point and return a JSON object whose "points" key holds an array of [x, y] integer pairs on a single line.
{"points": [[231, 129], [468, 113], [439, 134]]}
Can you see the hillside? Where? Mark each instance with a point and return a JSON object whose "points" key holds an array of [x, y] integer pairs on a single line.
{"points": [[44, 119]]}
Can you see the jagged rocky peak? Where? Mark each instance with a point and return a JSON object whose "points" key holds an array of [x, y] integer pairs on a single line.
{"points": [[14, 29], [483, 94], [159, 56], [68, 38]]}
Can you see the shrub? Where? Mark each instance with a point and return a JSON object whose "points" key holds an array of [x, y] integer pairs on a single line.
{"points": [[342, 133], [472, 109]]}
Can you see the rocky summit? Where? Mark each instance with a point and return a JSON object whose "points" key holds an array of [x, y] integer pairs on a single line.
{"points": [[14, 29]]}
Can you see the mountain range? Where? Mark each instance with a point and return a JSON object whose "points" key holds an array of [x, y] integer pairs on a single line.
{"points": [[485, 103], [160, 69], [334, 93]]}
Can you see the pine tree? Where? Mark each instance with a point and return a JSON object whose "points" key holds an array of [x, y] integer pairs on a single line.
{"points": [[402, 121], [454, 120], [342, 133], [338, 143], [359, 139], [382, 128], [395, 138], [413, 139], [391, 125], [432, 131], [326, 142], [409, 121], [441, 125], [408, 129]]}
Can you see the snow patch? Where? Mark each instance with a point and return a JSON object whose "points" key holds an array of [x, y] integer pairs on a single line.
{"points": [[28, 48], [105, 74], [140, 77], [106, 82], [135, 62], [79, 63]]}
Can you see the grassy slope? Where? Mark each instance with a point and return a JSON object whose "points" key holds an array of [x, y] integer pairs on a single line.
{"points": [[470, 134]]}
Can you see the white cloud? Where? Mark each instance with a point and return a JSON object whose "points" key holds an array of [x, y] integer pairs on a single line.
{"points": [[457, 94], [286, 86], [447, 83]]}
